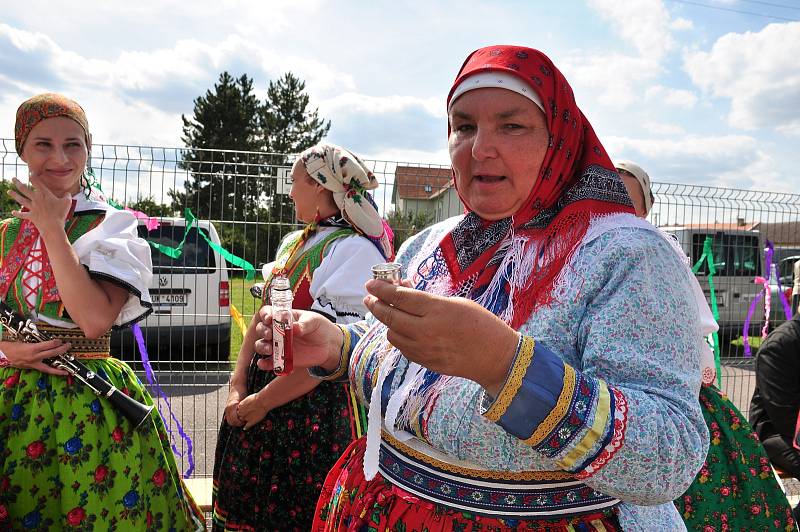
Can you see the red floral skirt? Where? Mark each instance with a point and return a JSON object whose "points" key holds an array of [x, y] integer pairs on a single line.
{"points": [[349, 502]]}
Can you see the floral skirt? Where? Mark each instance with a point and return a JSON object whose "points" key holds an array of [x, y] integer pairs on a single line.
{"points": [[70, 461], [349, 502], [735, 489], [269, 477]]}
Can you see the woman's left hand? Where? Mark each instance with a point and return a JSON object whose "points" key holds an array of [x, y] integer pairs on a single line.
{"points": [[47, 211], [449, 335], [251, 411]]}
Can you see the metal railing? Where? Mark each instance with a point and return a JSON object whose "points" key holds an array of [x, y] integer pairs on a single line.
{"points": [[246, 200]]}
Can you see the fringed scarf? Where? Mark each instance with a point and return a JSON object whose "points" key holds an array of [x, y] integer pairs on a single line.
{"points": [[511, 265]]}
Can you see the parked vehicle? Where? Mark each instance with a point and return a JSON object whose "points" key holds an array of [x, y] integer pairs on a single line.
{"points": [[738, 259], [191, 320]]}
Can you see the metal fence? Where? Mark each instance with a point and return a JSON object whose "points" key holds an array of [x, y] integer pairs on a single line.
{"points": [[246, 209]]}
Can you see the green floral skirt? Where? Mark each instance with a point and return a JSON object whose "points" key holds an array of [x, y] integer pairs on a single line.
{"points": [[70, 461], [735, 489]]}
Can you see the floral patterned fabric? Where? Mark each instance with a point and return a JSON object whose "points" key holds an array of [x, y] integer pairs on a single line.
{"points": [[70, 461], [612, 323], [736, 489]]}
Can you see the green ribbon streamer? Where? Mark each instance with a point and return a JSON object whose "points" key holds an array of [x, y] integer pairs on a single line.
{"points": [[250, 270], [227, 255], [708, 256]]}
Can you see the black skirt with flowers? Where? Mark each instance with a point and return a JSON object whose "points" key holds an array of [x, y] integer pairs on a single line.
{"points": [[269, 478]]}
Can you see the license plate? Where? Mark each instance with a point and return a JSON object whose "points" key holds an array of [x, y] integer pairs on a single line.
{"points": [[169, 299]]}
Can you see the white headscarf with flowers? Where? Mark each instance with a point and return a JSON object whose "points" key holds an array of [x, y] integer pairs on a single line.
{"points": [[343, 173]]}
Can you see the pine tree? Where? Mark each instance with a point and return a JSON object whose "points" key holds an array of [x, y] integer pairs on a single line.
{"points": [[289, 128], [221, 186]]}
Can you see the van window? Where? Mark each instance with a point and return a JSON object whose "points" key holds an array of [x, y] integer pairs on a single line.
{"points": [[197, 255], [734, 255]]}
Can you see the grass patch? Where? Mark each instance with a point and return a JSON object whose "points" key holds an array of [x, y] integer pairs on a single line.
{"points": [[755, 342], [247, 306]]}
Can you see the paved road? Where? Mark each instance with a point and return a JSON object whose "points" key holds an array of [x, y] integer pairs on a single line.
{"points": [[197, 400]]}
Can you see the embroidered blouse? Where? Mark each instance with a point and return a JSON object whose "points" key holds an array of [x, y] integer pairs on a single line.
{"points": [[334, 264], [604, 383], [107, 245]]}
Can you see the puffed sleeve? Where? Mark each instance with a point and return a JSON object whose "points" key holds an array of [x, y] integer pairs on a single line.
{"points": [[114, 252], [624, 414], [337, 286]]}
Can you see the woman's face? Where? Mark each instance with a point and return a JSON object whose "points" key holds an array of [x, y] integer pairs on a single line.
{"points": [[56, 153], [304, 193], [498, 140]]}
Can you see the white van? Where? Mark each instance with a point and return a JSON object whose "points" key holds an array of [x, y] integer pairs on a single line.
{"points": [[738, 259], [191, 319]]}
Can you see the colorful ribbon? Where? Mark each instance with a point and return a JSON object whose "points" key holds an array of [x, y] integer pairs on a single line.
{"points": [[237, 317], [227, 255], [708, 257], [149, 221], [151, 379], [769, 252]]}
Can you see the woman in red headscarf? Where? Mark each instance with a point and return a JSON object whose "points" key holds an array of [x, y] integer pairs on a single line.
{"points": [[539, 368]]}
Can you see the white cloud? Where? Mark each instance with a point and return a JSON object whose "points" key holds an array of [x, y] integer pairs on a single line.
{"points": [[759, 73], [388, 124], [614, 80], [681, 24], [671, 97], [736, 161], [376, 105], [643, 23], [659, 128]]}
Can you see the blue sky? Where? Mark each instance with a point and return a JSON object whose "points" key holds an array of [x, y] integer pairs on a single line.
{"points": [[695, 94]]}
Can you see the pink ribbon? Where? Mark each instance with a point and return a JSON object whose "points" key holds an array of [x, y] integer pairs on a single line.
{"points": [[149, 221]]}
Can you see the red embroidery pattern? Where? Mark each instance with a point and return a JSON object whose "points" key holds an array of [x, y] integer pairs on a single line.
{"points": [[620, 421]]}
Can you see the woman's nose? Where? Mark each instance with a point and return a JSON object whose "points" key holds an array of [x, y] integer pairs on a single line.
{"points": [[60, 155], [484, 145]]}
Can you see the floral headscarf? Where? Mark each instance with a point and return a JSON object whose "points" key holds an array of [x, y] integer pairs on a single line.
{"points": [[343, 173], [44, 106], [510, 265]]}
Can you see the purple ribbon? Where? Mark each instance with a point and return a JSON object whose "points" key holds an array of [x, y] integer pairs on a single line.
{"points": [[769, 252], [151, 379]]}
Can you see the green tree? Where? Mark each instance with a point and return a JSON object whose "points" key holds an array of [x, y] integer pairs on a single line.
{"points": [[7, 203], [406, 224], [221, 186], [288, 127]]}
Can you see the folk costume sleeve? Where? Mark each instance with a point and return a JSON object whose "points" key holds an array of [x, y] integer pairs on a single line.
{"points": [[113, 252], [337, 287], [629, 409]]}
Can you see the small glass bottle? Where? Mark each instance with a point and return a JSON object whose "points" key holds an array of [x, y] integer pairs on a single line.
{"points": [[281, 299]]}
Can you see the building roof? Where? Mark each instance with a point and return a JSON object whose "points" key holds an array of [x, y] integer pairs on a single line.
{"points": [[415, 182], [739, 226]]}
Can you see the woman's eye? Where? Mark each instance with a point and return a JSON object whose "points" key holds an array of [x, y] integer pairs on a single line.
{"points": [[43, 143], [463, 128], [513, 126]]}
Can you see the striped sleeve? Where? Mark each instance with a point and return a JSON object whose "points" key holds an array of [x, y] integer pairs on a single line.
{"points": [[352, 334], [576, 420]]}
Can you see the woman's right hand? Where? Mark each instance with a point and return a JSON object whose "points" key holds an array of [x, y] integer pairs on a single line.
{"points": [[30, 355], [235, 396], [316, 341]]}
